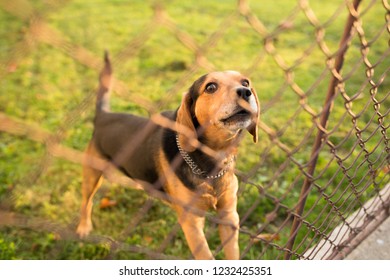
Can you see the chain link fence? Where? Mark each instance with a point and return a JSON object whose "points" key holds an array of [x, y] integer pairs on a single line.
{"points": [[315, 185]]}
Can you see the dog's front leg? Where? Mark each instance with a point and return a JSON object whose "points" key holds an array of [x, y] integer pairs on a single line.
{"points": [[192, 226], [229, 220]]}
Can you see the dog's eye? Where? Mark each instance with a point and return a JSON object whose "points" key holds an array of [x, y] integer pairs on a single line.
{"points": [[211, 87], [245, 83]]}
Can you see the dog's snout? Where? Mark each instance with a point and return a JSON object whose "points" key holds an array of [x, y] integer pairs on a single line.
{"points": [[244, 93]]}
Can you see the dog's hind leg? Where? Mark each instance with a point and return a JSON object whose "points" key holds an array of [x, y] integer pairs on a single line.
{"points": [[92, 179]]}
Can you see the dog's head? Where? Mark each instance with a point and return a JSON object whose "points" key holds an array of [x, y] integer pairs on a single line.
{"points": [[219, 105]]}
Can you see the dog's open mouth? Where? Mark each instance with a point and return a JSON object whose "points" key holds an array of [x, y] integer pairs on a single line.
{"points": [[241, 115]]}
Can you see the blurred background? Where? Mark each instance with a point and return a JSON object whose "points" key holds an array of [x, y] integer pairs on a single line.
{"points": [[308, 174]]}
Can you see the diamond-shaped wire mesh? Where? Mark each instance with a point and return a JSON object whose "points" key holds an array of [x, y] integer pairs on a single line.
{"points": [[313, 187]]}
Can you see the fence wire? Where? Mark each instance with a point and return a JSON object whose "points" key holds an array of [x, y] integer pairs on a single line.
{"points": [[315, 185]]}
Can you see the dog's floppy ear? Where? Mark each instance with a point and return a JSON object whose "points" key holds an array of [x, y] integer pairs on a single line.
{"points": [[184, 118], [252, 128], [186, 115]]}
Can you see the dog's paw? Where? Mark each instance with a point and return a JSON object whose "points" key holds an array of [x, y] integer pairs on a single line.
{"points": [[83, 230]]}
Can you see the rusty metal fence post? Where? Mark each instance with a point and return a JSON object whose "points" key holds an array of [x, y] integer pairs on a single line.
{"points": [[322, 125], [301, 188]]}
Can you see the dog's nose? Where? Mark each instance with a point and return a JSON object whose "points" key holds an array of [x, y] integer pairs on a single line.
{"points": [[244, 93]]}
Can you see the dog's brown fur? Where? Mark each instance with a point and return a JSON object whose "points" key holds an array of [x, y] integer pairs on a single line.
{"points": [[215, 111]]}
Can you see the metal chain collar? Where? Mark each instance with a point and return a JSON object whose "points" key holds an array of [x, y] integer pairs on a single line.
{"points": [[195, 168]]}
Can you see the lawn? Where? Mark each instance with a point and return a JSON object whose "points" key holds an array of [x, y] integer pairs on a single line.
{"points": [[50, 55]]}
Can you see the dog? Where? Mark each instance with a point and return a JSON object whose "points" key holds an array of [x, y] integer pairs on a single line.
{"points": [[192, 162]]}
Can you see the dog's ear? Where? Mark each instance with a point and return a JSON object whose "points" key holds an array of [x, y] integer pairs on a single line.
{"points": [[252, 128], [186, 115], [185, 118]]}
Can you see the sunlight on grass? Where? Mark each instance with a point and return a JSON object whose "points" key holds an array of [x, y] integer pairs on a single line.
{"points": [[45, 84]]}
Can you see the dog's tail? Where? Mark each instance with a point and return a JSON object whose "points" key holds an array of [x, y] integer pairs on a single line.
{"points": [[105, 80]]}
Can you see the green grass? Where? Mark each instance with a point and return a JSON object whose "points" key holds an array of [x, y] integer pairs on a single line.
{"points": [[44, 84]]}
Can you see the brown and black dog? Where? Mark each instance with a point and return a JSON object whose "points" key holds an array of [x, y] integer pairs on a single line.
{"points": [[211, 117]]}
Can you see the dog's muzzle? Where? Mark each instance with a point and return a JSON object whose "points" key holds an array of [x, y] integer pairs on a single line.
{"points": [[244, 93]]}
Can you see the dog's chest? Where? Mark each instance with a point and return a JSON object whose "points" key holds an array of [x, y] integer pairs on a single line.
{"points": [[210, 191]]}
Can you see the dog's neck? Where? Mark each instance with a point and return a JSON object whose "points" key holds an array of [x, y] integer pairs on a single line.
{"points": [[222, 142], [220, 166]]}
